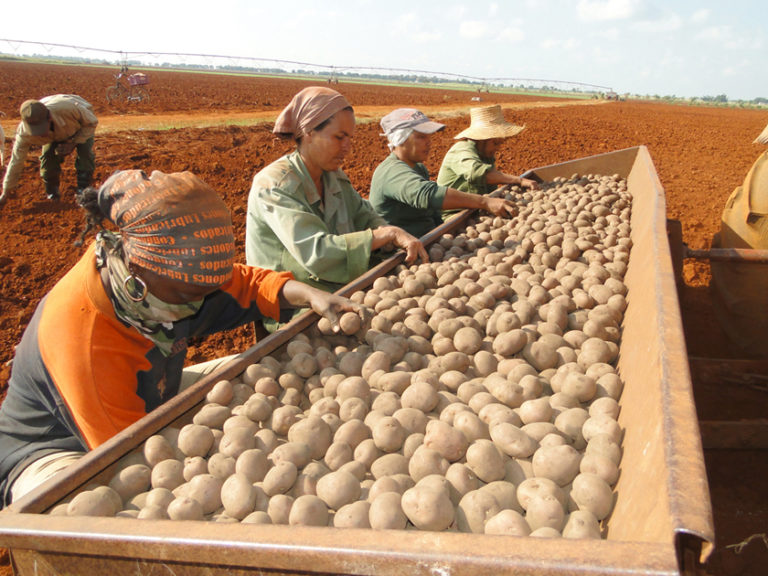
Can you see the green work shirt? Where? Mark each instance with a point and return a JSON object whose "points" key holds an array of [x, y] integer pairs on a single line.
{"points": [[406, 197], [464, 169], [325, 243]]}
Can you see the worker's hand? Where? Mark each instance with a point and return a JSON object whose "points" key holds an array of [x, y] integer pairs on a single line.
{"points": [[413, 247], [528, 183], [65, 148], [500, 207], [384, 236], [331, 307]]}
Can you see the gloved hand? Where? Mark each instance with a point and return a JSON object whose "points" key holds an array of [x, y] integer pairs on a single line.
{"points": [[65, 148]]}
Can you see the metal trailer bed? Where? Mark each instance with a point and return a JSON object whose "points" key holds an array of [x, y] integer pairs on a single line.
{"points": [[662, 519]]}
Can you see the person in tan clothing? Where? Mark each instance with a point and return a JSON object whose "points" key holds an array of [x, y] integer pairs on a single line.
{"points": [[739, 289], [60, 124]]}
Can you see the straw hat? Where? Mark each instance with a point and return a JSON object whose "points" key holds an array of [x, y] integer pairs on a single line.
{"points": [[488, 122], [763, 138]]}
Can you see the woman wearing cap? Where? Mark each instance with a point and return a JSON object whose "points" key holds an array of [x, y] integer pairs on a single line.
{"points": [[304, 216], [401, 190], [108, 343], [470, 164]]}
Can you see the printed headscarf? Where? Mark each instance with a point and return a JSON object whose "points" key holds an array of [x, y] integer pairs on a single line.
{"points": [[174, 225], [309, 108]]}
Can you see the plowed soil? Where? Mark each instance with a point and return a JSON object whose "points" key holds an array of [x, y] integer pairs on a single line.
{"points": [[218, 127]]}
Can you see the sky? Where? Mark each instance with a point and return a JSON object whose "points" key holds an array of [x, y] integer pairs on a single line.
{"points": [[684, 48]]}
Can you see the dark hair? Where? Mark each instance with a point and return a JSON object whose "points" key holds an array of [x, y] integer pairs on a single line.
{"points": [[88, 200]]}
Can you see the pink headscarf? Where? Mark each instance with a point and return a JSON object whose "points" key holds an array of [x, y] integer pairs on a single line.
{"points": [[309, 108]]}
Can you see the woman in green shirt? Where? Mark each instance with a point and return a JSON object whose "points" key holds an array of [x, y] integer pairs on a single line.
{"points": [[304, 215]]}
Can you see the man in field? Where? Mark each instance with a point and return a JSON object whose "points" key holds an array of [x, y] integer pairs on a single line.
{"points": [[59, 124]]}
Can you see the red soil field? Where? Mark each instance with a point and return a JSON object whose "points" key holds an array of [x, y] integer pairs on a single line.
{"points": [[700, 153]]}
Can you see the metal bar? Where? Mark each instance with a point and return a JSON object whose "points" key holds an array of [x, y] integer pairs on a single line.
{"points": [[728, 255]]}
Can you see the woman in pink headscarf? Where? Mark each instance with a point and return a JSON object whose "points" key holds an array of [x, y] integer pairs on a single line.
{"points": [[304, 215]]}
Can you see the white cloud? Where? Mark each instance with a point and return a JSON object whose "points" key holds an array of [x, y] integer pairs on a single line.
{"points": [[473, 29], [701, 15], [670, 22], [427, 37], [511, 35], [601, 10]]}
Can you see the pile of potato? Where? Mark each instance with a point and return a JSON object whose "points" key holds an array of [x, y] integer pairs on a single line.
{"points": [[482, 397]]}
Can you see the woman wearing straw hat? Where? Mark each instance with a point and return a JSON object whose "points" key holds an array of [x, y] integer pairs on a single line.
{"points": [[470, 164]]}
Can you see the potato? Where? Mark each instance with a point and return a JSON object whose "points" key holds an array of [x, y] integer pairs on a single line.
{"points": [[298, 453], [606, 446], [280, 478], [258, 407], [509, 342], [590, 492], [131, 480], [195, 440], [167, 474], [153, 512], [386, 512], [212, 416], [445, 439], [545, 511], [389, 465], [160, 497], [512, 440], [428, 509], [314, 432], [236, 441], [350, 322], [308, 510], [279, 508], [570, 423], [238, 496], [531, 488], [581, 524], [388, 434], [282, 419], [157, 448], [206, 489], [419, 395], [257, 517], [185, 508], [338, 454], [425, 462], [474, 510], [536, 410], [467, 340], [352, 432], [461, 479], [485, 460], [338, 488], [559, 463], [353, 515], [470, 424], [92, 503], [601, 424], [507, 523]]}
